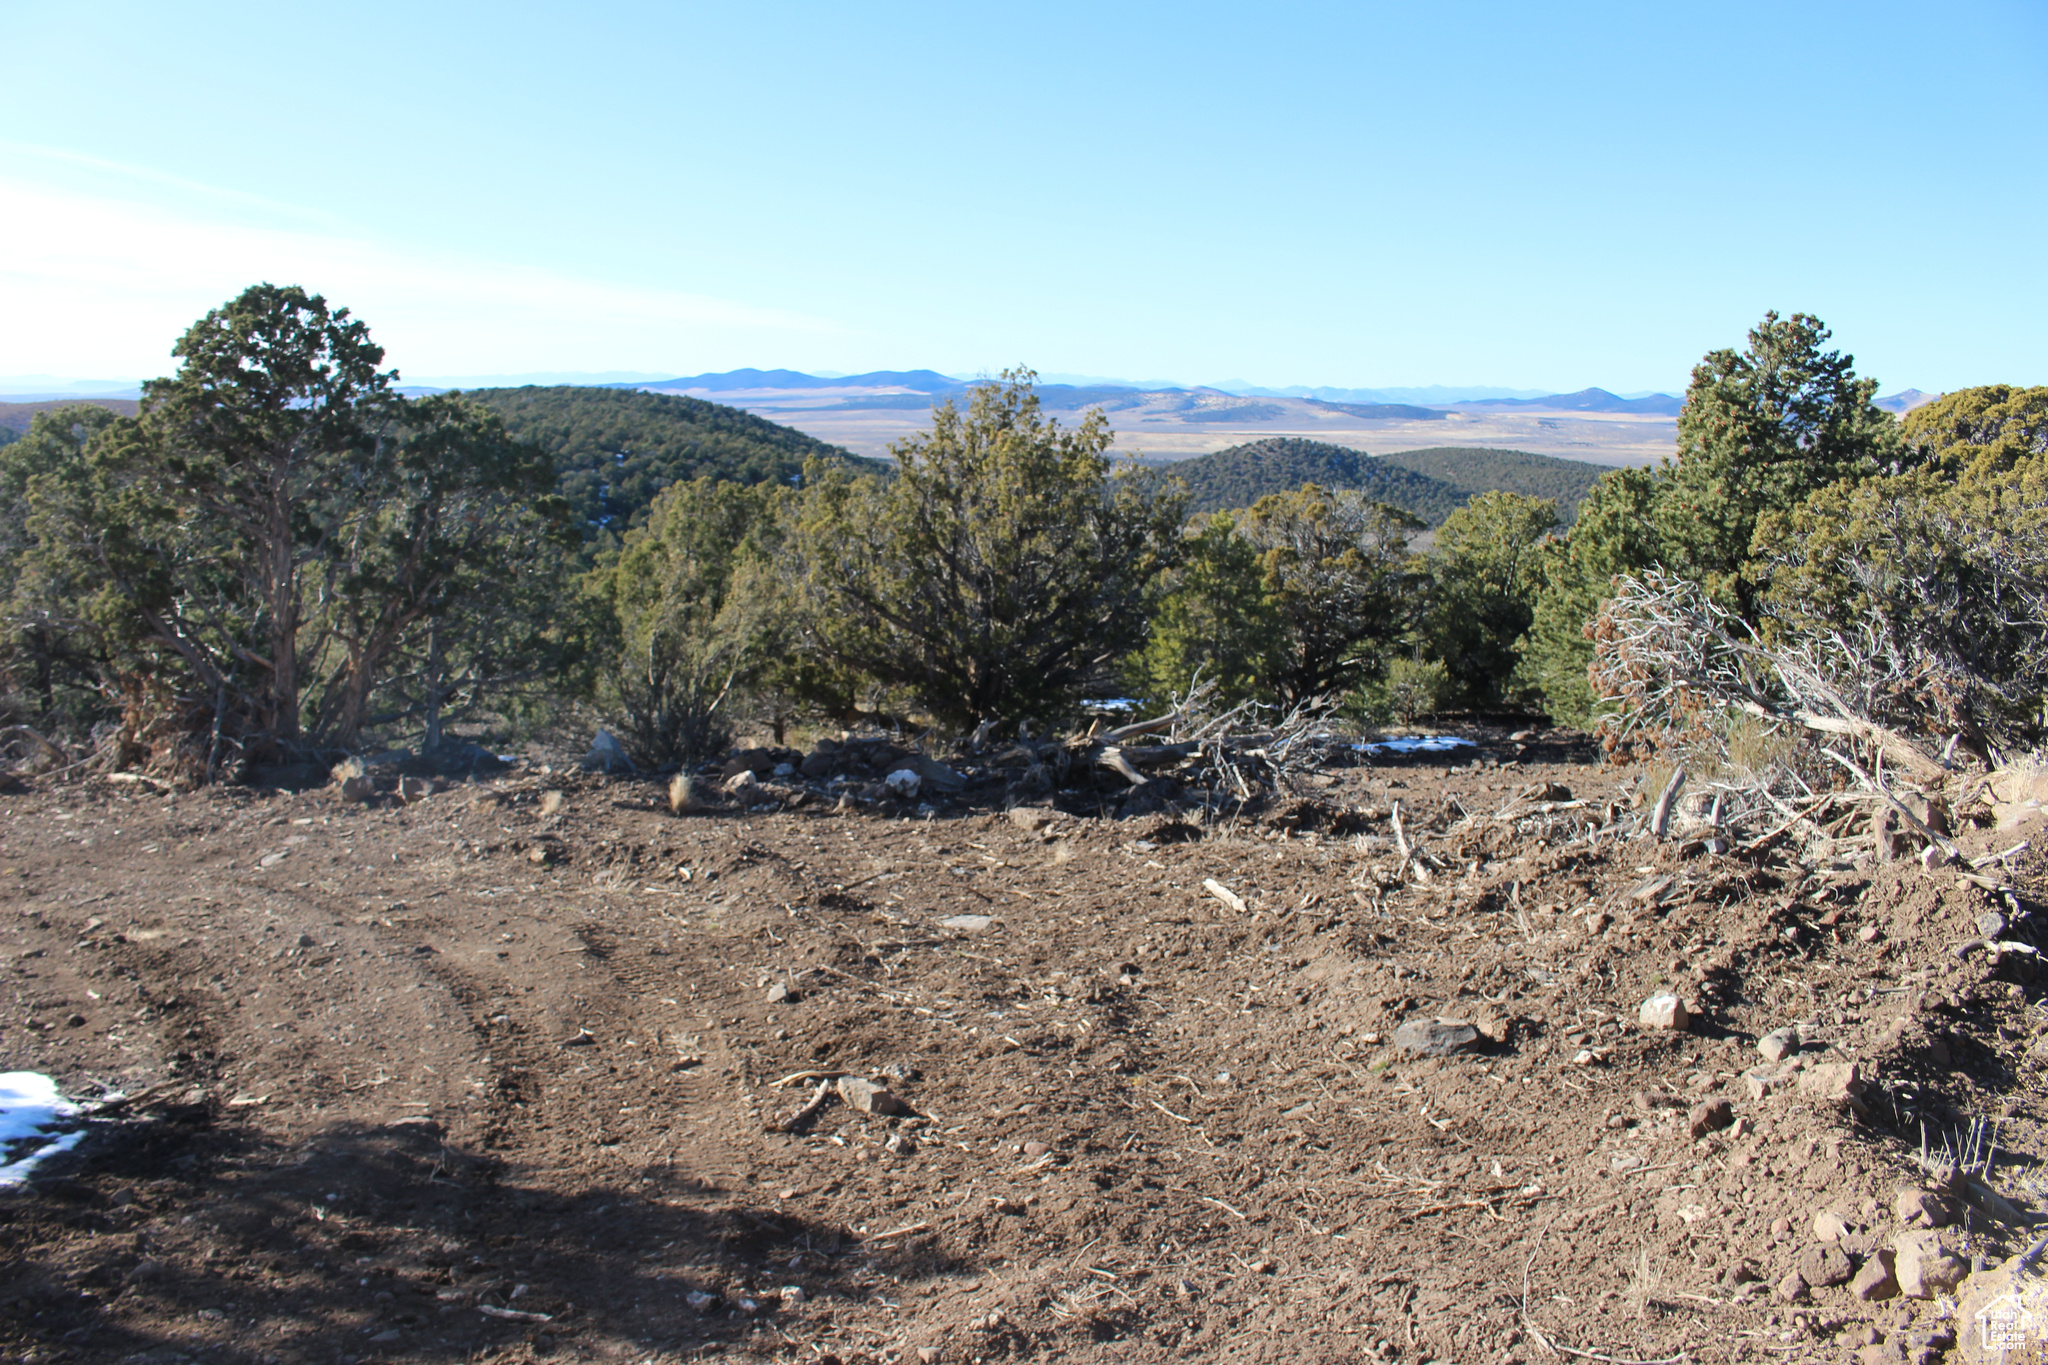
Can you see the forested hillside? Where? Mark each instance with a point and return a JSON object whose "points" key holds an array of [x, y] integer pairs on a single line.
{"points": [[1241, 475], [1476, 470], [617, 448], [1431, 483], [15, 417]]}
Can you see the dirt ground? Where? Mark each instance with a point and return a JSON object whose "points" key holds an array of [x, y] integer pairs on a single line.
{"points": [[493, 1076]]}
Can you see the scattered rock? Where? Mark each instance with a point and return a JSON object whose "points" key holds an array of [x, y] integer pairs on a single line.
{"points": [[553, 802], [782, 993], [1494, 1027], [1829, 1226], [607, 755], [1710, 1117], [1991, 924], [1436, 1038], [701, 1301], [1832, 1083], [1597, 922], [1032, 819], [934, 774], [870, 1098], [1869, 933], [904, 782], [359, 789], [1792, 1288], [742, 782], [1925, 1265], [1825, 1266], [759, 762], [1917, 1208], [967, 924], [1778, 1044], [1664, 1012], [1874, 1279]]}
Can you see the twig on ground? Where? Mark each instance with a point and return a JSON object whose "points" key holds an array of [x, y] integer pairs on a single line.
{"points": [[802, 1117]]}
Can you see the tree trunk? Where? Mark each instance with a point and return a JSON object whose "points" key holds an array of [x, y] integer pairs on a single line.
{"points": [[284, 626], [434, 692]]}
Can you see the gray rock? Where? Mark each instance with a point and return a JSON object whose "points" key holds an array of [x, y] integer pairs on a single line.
{"points": [[869, 1098], [1824, 1266], [1778, 1044], [1925, 1265], [1664, 1012], [1436, 1038], [1875, 1280], [1918, 1208], [607, 755], [1712, 1117]]}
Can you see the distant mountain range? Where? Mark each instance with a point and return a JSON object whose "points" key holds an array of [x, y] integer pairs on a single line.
{"points": [[739, 381], [1586, 400], [1905, 400], [1409, 404]]}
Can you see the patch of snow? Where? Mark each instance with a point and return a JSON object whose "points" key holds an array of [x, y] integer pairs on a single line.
{"points": [[1416, 744], [35, 1122]]}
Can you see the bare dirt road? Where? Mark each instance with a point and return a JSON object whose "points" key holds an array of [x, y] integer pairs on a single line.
{"points": [[496, 1076]]}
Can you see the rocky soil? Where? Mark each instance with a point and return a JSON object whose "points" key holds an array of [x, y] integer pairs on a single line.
{"points": [[511, 1069]]}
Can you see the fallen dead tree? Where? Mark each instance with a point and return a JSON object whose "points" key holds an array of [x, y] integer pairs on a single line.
{"points": [[1195, 760], [1830, 733]]}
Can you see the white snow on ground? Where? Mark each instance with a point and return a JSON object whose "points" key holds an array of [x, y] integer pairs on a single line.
{"points": [[1417, 744], [35, 1122]]}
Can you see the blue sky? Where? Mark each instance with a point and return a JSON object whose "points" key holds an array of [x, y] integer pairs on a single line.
{"points": [[1525, 195]]}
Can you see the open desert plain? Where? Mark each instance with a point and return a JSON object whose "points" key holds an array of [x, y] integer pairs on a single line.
{"points": [[1174, 424]]}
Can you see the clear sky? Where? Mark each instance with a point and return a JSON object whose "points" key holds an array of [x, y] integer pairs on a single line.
{"points": [[1539, 196]]}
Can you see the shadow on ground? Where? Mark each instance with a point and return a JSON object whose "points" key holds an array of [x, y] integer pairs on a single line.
{"points": [[171, 1239]]}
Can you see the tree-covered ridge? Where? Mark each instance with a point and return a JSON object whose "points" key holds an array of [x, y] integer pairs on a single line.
{"points": [[15, 417], [617, 448], [1241, 475], [1479, 469]]}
